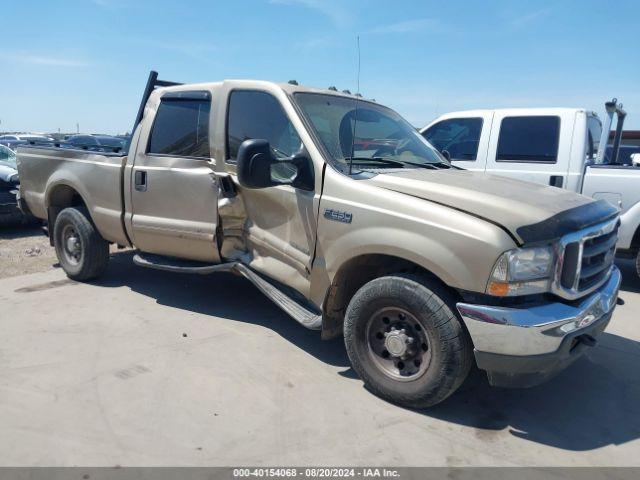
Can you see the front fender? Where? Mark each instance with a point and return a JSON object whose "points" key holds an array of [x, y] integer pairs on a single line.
{"points": [[629, 224]]}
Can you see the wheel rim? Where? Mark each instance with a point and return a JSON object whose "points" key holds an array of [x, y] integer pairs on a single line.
{"points": [[398, 344], [71, 245]]}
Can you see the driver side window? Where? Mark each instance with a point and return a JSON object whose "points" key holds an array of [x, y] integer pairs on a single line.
{"points": [[459, 136], [258, 115]]}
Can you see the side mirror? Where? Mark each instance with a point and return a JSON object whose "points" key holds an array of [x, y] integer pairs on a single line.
{"points": [[446, 154], [258, 168]]}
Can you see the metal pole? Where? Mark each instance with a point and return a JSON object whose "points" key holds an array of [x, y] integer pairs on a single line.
{"points": [[151, 83], [618, 138], [610, 108]]}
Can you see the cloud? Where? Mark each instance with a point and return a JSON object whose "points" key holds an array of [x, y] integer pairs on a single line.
{"points": [[522, 21], [333, 10], [410, 26], [28, 59]]}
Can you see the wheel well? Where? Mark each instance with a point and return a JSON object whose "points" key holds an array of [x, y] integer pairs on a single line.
{"points": [[352, 275], [61, 197]]}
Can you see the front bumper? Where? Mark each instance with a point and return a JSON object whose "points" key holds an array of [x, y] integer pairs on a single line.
{"points": [[522, 347]]}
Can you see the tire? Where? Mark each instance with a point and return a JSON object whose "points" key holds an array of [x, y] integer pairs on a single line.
{"points": [[438, 350], [81, 251], [638, 263]]}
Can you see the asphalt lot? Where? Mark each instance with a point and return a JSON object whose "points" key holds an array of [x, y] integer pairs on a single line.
{"points": [[153, 368]]}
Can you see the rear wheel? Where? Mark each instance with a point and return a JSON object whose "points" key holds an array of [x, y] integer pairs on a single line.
{"points": [[405, 340], [638, 263], [82, 252]]}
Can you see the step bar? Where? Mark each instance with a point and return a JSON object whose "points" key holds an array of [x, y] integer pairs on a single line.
{"points": [[298, 308]]}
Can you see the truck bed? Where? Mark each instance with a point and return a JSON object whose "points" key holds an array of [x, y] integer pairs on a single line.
{"points": [[49, 175], [619, 185]]}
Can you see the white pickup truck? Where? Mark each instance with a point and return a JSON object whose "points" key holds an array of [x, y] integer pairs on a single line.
{"points": [[562, 147]]}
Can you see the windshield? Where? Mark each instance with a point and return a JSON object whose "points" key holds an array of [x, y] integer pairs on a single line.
{"points": [[7, 157], [370, 135]]}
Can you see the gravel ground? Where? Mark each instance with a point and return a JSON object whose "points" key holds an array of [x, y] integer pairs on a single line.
{"points": [[25, 250]]}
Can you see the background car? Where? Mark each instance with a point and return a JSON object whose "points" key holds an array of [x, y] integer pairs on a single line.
{"points": [[96, 143], [9, 212], [7, 156], [16, 139], [624, 154]]}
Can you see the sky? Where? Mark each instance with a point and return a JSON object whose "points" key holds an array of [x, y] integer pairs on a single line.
{"points": [[64, 63]]}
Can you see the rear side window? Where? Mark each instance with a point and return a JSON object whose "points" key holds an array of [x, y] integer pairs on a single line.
{"points": [[259, 115], [594, 131], [181, 128], [529, 139], [459, 136]]}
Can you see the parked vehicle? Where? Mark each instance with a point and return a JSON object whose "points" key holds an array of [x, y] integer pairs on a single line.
{"points": [[624, 154], [420, 265], [9, 211], [14, 140], [552, 146], [96, 143], [7, 155]]}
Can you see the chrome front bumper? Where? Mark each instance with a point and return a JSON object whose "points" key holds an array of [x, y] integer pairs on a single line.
{"points": [[537, 330]]}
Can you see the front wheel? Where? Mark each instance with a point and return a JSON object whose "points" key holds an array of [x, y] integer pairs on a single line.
{"points": [[81, 250], [405, 340], [638, 263]]}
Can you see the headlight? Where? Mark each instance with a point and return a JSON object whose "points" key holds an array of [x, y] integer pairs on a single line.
{"points": [[522, 271]]}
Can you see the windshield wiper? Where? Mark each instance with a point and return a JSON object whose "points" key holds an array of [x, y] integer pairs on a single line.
{"points": [[396, 163], [432, 165], [372, 160]]}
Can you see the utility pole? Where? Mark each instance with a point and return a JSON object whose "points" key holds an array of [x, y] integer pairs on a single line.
{"points": [[77, 128]]}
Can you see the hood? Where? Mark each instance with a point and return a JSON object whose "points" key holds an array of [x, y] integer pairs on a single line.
{"points": [[529, 212]]}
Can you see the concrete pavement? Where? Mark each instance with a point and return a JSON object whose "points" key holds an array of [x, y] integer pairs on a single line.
{"points": [[153, 368]]}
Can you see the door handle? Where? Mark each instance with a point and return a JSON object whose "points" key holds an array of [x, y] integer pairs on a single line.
{"points": [[556, 180], [141, 180]]}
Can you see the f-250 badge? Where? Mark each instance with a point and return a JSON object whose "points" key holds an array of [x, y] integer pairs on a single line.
{"points": [[337, 215]]}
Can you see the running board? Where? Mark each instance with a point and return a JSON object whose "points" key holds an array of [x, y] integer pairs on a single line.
{"points": [[169, 264], [300, 310]]}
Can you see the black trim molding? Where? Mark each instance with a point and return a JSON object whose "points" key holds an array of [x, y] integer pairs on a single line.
{"points": [[568, 221]]}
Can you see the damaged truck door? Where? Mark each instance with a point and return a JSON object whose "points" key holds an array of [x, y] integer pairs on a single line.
{"points": [[280, 230]]}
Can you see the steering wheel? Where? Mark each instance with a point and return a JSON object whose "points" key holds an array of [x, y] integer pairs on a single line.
{"points": [[397, 150]]}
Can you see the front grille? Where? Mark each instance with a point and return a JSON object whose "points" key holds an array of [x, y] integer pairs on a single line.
{"points": [[597, 257], [6, 197], [587, 257]]}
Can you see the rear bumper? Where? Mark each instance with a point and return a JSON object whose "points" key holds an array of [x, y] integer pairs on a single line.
{"points": [[525, 347]]}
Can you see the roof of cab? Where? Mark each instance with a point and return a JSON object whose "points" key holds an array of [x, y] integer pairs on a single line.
{"points": [[535, 110], [522, 111], [287, 87]]}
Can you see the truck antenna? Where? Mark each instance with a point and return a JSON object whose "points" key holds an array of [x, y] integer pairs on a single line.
{"points": [[355, 116]]}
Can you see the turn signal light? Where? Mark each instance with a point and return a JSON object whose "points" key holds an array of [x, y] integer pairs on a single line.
{"points": [[499, 289]]}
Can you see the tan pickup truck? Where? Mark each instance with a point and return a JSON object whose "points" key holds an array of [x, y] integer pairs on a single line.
{"points": [[346, 217]]}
